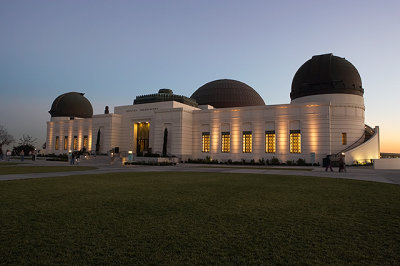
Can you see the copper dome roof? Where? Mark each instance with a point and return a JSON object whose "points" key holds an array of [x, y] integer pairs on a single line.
{"points": [[326, 74], [225, 93], [71, 104]]}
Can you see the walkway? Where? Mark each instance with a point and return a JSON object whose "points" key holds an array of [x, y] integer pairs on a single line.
{"points": [[356, 173]]}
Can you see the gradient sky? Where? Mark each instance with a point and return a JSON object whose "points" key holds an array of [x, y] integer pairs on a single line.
{"points": [[116, 50]]}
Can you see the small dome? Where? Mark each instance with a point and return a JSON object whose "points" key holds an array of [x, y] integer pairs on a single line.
{"points": [[168, 91], [326, 74], [225, 93], [71, 104]]}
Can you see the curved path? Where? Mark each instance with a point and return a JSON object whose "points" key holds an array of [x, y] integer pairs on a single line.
{"points": [[356, 173]]}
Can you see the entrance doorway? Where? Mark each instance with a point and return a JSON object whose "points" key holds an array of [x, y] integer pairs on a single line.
{"points": [[142, 137]]}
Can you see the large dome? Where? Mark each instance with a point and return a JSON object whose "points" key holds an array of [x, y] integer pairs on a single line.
{"points": [[225, 93], [71, 104], [326, 74]]}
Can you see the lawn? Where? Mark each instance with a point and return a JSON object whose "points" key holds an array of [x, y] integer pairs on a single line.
{"points": [[261, 168], [7, 163], [10, 169], [198, 218]]}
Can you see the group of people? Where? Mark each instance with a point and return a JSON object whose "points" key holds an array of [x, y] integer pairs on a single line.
{"points": [[342, 163], [21, 154], [33, 154], [8, 155], [74, 157]]}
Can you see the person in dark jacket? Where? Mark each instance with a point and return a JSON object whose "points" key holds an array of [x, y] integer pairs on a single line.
{"points": [[329, 163]]}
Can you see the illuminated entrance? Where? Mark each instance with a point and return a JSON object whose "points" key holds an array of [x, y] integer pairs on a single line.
{"points": [[142, 137]]}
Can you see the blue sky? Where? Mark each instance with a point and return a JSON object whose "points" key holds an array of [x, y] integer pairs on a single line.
{"points": [[116, 50]]}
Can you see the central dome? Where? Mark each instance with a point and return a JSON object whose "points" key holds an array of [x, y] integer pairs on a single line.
{"points": [[225, 93]]}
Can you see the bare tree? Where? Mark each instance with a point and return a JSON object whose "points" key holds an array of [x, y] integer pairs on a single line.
{"points": [[5, 138], [27, 140]]}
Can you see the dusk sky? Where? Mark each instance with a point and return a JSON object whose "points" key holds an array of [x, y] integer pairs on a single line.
{"points": [[115, 50]]}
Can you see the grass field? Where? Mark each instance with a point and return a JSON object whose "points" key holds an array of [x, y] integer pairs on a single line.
{"points": [[193, 218], [7, 163], [13, 169], [261, 168]]}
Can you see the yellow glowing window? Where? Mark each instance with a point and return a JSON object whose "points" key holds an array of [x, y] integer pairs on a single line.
{"points": [[75, 142], [295, 141], [247, 141], [270, 141], [66, 143], [85, 142], [57, 142], [205, 140], [344, 138], [226, 142]]}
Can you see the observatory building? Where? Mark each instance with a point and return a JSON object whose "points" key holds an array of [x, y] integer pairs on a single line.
{"points": [[228, 120]]}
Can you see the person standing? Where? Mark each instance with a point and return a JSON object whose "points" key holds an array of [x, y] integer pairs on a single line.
{"points": [[8, 154], [342, 164], [78, 156], [22, 153], [73, 158]]}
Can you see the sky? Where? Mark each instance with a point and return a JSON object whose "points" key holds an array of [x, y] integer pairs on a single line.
{"points": [[116, 50]]}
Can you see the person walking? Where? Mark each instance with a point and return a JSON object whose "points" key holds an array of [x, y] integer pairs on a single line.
{"points": [[329, 163], [8, 155], [22, 154]]}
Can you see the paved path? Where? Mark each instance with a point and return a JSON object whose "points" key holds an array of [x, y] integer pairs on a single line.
{"points": [[357, 173]]}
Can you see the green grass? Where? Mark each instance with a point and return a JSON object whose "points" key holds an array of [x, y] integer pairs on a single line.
{"points": [[193, 218], [260, 168], [9, 169], [7, 163]]}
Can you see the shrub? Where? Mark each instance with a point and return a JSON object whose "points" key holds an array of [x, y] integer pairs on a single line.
{"points": [[301, 162], [152, 155], [274, 161]]}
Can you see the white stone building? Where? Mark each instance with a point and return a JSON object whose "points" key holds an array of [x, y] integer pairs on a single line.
{"points": [[228, 120]]}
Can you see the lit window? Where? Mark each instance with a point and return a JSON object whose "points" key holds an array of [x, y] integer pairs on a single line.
{"points": [[75, 142], [57, 142], [205, 142], [270, 141], [344, 138], [247, 141], [66, 143], [226, 142], [85, 142], [295, 141]]}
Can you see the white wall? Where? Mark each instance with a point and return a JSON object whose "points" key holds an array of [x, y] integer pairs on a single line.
{"points": [[61, 127], [366, 152], [387, 163]]}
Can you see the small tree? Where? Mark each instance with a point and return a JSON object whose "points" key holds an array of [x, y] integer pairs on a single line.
{"points": [[5, 138]]}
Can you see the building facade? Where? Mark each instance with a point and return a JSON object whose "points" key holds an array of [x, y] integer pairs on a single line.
{"points": [[228, 120]]}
